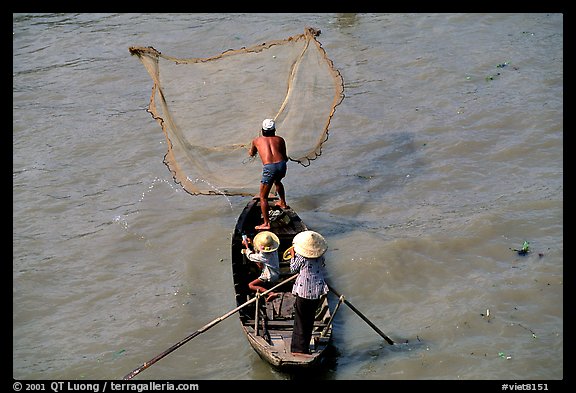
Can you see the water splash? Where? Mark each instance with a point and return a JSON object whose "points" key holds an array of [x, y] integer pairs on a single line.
{"points": [[155, 181], [122, 220], [214, 188]]}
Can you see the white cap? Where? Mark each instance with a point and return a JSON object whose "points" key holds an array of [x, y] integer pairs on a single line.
{"points": [[268, 125]]}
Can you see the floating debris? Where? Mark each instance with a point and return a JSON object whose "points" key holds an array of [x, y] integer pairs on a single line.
{"points": [[501, 65], [530, 330], [487, 316], [524, 250], [491, 77]]}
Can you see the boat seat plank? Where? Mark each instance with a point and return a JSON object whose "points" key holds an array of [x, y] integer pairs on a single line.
{"points": [[280, 324], [282, 307]]}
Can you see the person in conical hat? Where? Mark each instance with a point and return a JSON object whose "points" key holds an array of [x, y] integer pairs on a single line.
{"points": [[272, 151], [307, 258], [265, 255]]}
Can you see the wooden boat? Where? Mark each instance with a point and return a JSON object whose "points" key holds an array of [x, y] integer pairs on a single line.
{"points": [[268, 325]]}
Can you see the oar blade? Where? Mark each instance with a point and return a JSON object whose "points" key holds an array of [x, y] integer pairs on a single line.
{"points": [[364, 318]]}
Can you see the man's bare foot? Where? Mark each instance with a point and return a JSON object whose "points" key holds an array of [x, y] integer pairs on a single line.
{"points": [[262, 227], [271, 296], [282, 205]]}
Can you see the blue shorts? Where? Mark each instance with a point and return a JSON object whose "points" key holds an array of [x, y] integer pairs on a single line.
{"points": [[273, 172]]}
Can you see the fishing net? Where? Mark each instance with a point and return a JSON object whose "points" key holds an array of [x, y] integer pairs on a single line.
{"points": [[211, 108]]}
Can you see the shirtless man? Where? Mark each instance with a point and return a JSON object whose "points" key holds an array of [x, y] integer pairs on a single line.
{"points": [[272, 150]]}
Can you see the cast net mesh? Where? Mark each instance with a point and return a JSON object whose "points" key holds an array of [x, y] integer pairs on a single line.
{"points": [[211, 108]]}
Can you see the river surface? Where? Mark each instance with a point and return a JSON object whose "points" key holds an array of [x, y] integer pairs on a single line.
{"points": [[445, 156]]}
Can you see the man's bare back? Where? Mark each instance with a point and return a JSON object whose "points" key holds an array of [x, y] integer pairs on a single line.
{"points": [[270, 148]]}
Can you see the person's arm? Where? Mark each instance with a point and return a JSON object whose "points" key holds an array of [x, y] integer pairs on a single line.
{"points": [[251, 255], [283, 150], [295, 263], [253, 150], [255, 257]]}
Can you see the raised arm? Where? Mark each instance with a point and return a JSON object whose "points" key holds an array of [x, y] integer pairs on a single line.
{"points": [[252, 151]]}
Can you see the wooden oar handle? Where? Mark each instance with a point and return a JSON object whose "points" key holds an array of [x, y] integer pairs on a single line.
{"points": [[147, 364]]}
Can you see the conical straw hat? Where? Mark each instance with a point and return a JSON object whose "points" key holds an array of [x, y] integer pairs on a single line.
{"points": [[310, 244], [266, 241]]}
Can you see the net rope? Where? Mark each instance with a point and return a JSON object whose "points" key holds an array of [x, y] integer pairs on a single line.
{"points": [[211, 108]]}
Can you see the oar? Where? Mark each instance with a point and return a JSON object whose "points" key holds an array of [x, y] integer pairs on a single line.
{"points": [[363, 317], [201, 330]]}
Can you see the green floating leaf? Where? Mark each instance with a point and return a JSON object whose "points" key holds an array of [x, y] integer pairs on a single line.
{"points": [[526, 246]]}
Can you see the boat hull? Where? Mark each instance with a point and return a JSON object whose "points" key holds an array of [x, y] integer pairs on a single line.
{"points": [[268, 325]]}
